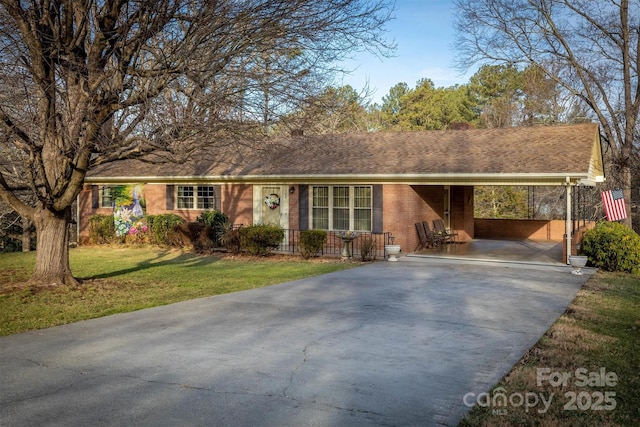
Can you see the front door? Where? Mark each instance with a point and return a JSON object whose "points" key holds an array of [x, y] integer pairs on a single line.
{"points": [[271, 205]]}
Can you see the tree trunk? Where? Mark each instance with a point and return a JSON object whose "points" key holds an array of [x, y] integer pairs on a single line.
{"points": [[626, 182], [26, 234], [52, 248]]}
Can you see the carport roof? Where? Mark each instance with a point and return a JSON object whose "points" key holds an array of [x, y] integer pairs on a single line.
{"points": [[543, 155]]}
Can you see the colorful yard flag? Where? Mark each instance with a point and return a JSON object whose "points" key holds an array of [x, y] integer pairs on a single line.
{"points": [[614, 207], [128, 215]]}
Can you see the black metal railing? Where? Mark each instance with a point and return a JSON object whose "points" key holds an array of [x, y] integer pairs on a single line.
{"points": [[335, 245]]}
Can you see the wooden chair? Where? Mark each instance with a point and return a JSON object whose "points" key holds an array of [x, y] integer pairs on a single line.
{"points": [[435, 238], [423, 241], [426, 237], [449, 235]]}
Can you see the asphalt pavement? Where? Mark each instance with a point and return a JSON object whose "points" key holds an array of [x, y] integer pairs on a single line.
{"points": [[385, 344]]}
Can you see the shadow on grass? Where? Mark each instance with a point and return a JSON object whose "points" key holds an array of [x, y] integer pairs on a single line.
{"points": [[185, 260]]}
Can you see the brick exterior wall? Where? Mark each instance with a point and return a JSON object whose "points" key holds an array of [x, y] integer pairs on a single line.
{"points": [[520, 229], [294, 207], [553, 230], [462, 207], [237, 203], [403, 206]]}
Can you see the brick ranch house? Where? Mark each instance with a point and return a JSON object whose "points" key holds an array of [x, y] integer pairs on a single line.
{"points": [[369, 182]]}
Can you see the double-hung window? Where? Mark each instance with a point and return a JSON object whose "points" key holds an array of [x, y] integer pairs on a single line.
{"points": [[341, 207], [107, 197], [195, 197]]}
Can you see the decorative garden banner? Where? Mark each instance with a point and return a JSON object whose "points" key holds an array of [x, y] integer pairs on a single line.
{"points": [[129, 209]]}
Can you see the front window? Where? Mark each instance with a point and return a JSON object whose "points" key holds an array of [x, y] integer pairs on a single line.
{"points": [[107, 198], [341, 207], [206, 197], [185, 197], [196, 197]]}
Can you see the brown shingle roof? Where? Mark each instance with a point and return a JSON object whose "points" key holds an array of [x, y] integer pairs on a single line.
{"points": [[563, 149]]}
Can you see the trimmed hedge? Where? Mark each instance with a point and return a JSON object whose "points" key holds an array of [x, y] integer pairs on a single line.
{"points": [[260, 239], [612, 246], [311, 242], [163, 228]]}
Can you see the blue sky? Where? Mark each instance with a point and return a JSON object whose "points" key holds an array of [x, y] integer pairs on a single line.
{"points": [[424, 34]]}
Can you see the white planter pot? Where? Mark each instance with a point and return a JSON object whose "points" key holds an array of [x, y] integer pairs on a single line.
{"points": [[392, 251], [577, 262]]}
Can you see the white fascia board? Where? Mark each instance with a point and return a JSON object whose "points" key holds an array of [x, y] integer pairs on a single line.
{"points": [[410, 179]]}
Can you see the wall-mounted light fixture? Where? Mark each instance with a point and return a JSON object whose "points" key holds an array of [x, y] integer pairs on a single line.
{"points": [[292, 189]]}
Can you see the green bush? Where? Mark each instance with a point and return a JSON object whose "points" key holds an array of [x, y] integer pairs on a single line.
{"points": [[261, 239], [215, 221], [163, 228], [230, 238], [102, 230], [612, 246], [196, 234], [311, 242], [213, 218]]}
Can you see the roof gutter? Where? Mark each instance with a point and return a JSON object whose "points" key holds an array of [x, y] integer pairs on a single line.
{"points": [[547, 179]]}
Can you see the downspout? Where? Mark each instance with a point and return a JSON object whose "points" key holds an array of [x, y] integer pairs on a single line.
{"points": [[78, 220], [568, 224]]}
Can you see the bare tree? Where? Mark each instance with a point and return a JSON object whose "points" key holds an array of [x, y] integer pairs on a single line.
{"points": [[590, 48], [335, 110], [83, 82]]}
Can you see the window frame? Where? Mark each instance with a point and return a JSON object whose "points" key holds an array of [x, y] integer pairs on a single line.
{"points": [[196, 197], [101, 198], [331, 209]]}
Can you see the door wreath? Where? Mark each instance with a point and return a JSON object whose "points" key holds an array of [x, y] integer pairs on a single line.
{"points": [[272, 201]]}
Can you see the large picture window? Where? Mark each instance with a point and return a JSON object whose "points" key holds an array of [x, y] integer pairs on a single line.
{"points": [[341, 207], [195, 197]]}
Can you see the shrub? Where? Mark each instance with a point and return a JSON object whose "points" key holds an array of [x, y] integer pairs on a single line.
{"points": [[163, 228], [367, 248], [261, 239], [311, 242], [230, 238], [612, 246], [196, 234], [216, 221], [101, 229]]}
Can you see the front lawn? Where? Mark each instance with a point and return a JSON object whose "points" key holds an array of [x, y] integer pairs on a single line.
{"points": [[583, 372], [120, 279]]}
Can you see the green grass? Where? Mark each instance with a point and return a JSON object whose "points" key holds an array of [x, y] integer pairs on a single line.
{"points": [[120, 279], [599, 330]]}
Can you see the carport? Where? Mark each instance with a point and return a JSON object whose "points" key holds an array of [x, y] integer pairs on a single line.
{"points": [[564, 156]]}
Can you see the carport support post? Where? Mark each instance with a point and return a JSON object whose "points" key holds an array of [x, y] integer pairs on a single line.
{"points": [[567, 225]]}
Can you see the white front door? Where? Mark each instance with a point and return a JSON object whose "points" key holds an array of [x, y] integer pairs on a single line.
{"points": [[271, 205]]}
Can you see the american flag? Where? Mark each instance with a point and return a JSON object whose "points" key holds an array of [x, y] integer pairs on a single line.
{"points": [[614, 207]]}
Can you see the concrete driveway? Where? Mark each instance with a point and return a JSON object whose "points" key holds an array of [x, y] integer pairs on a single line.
{"points": [[386, 344]]}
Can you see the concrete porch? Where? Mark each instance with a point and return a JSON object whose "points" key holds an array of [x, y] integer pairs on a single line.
{"points": [[508, 250]]}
